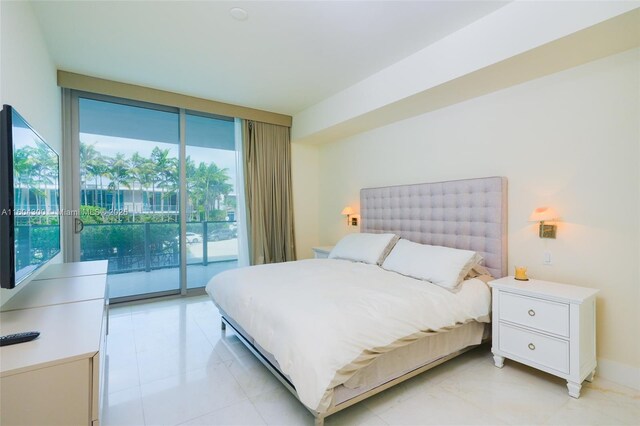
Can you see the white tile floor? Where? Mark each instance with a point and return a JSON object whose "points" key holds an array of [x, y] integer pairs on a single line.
{"points": [[169, 364]]}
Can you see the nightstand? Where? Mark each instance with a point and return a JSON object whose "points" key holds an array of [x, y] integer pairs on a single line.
{"points": [[322, 252], [546, 325]]}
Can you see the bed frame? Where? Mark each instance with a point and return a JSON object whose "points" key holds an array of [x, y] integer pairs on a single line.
{"points": [[468, 214]]}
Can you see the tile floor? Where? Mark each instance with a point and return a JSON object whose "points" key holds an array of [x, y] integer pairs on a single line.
{"points": [[169, 364]]}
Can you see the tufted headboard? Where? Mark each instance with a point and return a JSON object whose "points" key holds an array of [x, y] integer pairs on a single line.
{"points": [[468, 214]]}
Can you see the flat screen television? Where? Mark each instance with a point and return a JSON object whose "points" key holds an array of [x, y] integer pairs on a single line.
{"points": [[29, 199]]}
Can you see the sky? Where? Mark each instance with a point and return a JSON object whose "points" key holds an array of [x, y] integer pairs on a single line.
{"points": [[23, 137]]}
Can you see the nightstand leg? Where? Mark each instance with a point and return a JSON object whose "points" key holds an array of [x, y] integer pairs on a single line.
{"points": [[574, 389], [590, 377], [498, 361]]}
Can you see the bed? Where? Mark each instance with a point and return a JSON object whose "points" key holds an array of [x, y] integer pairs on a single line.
{"points": [[335, 332]]}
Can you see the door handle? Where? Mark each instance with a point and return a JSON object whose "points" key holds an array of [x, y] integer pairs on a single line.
{"points": [[78, 225]]}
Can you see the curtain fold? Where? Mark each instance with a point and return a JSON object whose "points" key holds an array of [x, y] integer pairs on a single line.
{"points": [[241, 210], [266, 151]]}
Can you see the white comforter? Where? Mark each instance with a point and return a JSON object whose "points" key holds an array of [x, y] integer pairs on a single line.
{"points": [[317, 316]]}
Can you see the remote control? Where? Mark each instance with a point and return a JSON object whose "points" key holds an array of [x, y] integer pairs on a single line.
{"points": [[12, 339]]}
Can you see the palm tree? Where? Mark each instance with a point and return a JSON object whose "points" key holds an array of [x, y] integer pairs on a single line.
{"points": [[210, 185], [97, 168], [146, 174], [119, 175], [163, 165], [45, 170], [170, 179], [191, 186], [136, 174], [220, 187], [207, 184], [23, 172], [88, 153]]}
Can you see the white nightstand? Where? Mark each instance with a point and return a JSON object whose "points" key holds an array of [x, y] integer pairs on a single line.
{"points": [[546, 325], [322, 252]]}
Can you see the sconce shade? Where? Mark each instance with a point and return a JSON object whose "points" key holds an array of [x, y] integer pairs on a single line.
{"points": [[542, 214], [347, 211]]}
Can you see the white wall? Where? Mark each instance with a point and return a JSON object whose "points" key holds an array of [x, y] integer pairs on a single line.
{"points": [[569, 140], [28, 79], [305, 180]]}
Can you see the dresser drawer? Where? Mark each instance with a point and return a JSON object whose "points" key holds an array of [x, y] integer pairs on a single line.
{"points": [[528, 345], [544, 315]]}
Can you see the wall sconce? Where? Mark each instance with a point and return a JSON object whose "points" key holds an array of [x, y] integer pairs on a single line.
{"points": [[349, 212], [543, 214]]}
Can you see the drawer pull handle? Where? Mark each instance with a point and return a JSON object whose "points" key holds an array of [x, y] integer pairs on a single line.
{"points": [[532, 346], [532, 313]]}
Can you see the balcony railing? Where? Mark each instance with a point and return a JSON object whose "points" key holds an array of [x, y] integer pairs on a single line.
{"points": [[132, 247]]}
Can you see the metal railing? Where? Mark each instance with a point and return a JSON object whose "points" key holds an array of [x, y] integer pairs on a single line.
{"points": [[134, 247]]}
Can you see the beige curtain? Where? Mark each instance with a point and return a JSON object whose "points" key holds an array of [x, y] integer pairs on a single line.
{"points": [[267, 166]]}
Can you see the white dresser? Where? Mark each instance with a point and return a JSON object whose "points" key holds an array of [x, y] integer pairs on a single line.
{"points": [[56, 379], [546, 325], [322, 252]]}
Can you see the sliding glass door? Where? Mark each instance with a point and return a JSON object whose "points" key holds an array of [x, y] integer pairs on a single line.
{"points": [[135, 169], [212, 228]]}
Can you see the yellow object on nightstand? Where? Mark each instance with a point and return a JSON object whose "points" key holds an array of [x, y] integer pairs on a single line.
{"points": [[521, 273]]}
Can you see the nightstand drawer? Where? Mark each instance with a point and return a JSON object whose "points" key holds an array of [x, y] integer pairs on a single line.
{"points": [[528, 345], [544, 315]]}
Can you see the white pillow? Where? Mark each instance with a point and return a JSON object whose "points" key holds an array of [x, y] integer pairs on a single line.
{"points": [[363, 247], [443, 266]]}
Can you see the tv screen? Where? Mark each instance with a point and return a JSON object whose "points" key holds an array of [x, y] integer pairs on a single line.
{"points": [[29, 200]]}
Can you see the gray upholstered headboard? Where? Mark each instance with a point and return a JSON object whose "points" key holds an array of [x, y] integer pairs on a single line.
{"points": [[468, 214]]}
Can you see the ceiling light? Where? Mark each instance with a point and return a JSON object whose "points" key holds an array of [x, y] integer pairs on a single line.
{"points": [[239, 14]]}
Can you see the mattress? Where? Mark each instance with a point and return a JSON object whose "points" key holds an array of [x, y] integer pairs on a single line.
{"points": [[324, 320]]}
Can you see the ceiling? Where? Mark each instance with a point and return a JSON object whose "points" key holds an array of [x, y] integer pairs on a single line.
{"points": [[286, 56]]}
